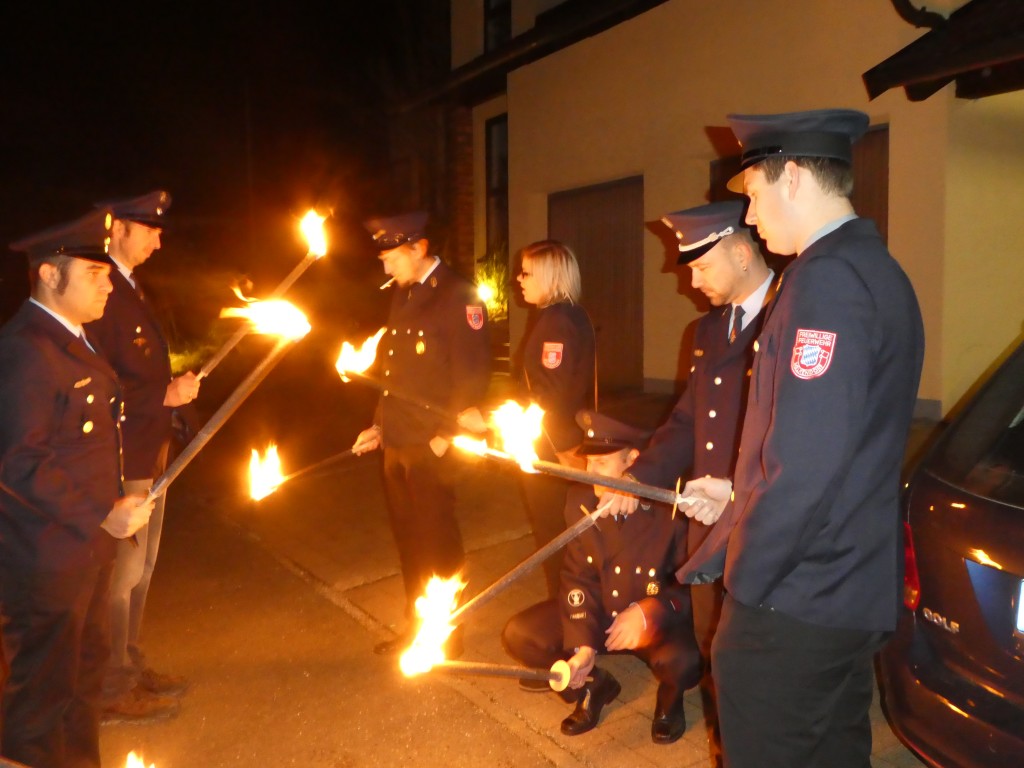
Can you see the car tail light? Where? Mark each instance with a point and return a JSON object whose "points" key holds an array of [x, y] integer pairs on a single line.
{"points": [[911, 579]]}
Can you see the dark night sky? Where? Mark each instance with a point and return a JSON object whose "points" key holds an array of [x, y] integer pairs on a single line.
{"points": [[248, 113]]}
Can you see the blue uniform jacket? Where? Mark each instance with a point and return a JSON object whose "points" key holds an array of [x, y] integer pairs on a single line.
{"points": [[60, 451], [615, 563], [701, 435], [134, 344], [815, 527], [436, 350], [558, 372]]}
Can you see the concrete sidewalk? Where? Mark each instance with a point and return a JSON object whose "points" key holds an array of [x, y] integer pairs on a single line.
{"points": [[272, 610]]}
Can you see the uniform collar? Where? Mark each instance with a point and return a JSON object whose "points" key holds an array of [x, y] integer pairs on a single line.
{"points": [[74, 329], [429, 272], [828, 229], [753, 303]]}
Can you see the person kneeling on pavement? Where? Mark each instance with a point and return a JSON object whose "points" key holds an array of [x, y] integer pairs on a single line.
{"points": [[618, 593]]}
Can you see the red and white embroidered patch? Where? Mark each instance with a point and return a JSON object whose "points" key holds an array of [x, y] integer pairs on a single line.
{"points": [[475, 317], [551, 355], [812, 353]]}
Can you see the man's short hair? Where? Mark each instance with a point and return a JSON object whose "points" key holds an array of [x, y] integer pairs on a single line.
{"points": [[834, 177]]}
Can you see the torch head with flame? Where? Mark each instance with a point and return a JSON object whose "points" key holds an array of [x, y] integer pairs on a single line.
{"points": [[352, 360], [264, 473], [519, 429], [312, 228], [275, 317], [434, 609], [134, 761]]}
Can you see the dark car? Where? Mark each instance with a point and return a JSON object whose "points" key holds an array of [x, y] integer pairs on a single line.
{"points": [[952, 677]]}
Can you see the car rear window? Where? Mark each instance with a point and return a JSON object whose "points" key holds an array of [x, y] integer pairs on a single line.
{"points": [[983, 450]]}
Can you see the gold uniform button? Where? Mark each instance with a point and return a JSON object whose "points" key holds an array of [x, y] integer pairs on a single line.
{"points": [[712, 413], [123, 418], [391, 352], [394, 331], [420, 347], [90, 398], [693, 368], [590, 559], [709, 445], [112, 400], [386, 393], [615, 593], [638, 569], [756, 346], [617, 569], [652, 572], [87, 427], [614, 614], [749, 371], [718, 380], [420, 333], [138, 329]]}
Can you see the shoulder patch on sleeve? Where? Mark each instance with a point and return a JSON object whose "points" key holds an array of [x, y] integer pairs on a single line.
{"points": [[551, 354], [812, 353], [475, 317]]}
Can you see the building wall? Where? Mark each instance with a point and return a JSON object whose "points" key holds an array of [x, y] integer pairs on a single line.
{"points": [[650, 97], [982, 309]]}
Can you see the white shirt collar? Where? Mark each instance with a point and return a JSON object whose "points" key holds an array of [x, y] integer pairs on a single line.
{"points": [[124, 271], [753, 303], [429, 272]]}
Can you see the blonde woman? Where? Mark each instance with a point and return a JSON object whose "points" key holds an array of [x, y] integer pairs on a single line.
{"points": [[557, 362]]}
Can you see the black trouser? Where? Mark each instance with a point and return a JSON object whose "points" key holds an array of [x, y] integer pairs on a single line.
{"points": [[545, 507], [56, 638], [421, 507], [535, 638], [792, 693]]}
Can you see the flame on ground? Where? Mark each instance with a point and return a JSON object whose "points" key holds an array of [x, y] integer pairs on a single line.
{"points": [[312, 228], [275, 317], [519, 428], [264, 473], [434, 608], [352, 360], [134, 761]]}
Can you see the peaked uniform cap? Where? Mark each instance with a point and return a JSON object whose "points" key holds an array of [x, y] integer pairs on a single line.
{"points": [[700, 229], [393, 231], [84, 238], [813, 133], [149, 209], [603, 434]]}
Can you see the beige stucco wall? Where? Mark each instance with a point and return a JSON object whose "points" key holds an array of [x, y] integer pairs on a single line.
{"points": [[983, 306], [640, 99]]}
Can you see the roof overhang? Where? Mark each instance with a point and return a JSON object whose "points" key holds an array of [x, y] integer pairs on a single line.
{"points": [[980, 47]]}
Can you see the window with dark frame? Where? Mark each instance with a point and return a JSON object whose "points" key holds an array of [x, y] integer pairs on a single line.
{"points": [[496, 131], [497, 23]]}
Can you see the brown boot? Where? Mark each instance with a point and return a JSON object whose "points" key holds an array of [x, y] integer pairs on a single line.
{"points": [[162, 684], [138, 706]]}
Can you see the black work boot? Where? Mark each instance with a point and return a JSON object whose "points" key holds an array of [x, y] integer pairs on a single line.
{"points": [[669, 717], [593, 696]]}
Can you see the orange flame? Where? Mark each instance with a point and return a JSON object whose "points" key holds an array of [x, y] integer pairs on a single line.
{"points": [[519, 428], [134, 761], [275, 317], [264, 473], [352, 360], [434, 608], [312, 228]]}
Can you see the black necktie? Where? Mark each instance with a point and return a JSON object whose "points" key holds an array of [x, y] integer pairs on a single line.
{"points": [[737, 323]]}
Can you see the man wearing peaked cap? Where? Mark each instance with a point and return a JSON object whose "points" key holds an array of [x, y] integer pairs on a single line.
{"points": [[702, 433], [62, 504], [809, 538], [436, 350], [618, 592], [136, 348]]}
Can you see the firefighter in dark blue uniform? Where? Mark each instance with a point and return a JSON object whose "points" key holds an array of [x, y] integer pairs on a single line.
{"points": [[701, 436], [556, 369], [812, 569], [618, 592], [436, 350], [134, 344], [61, 502]]}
